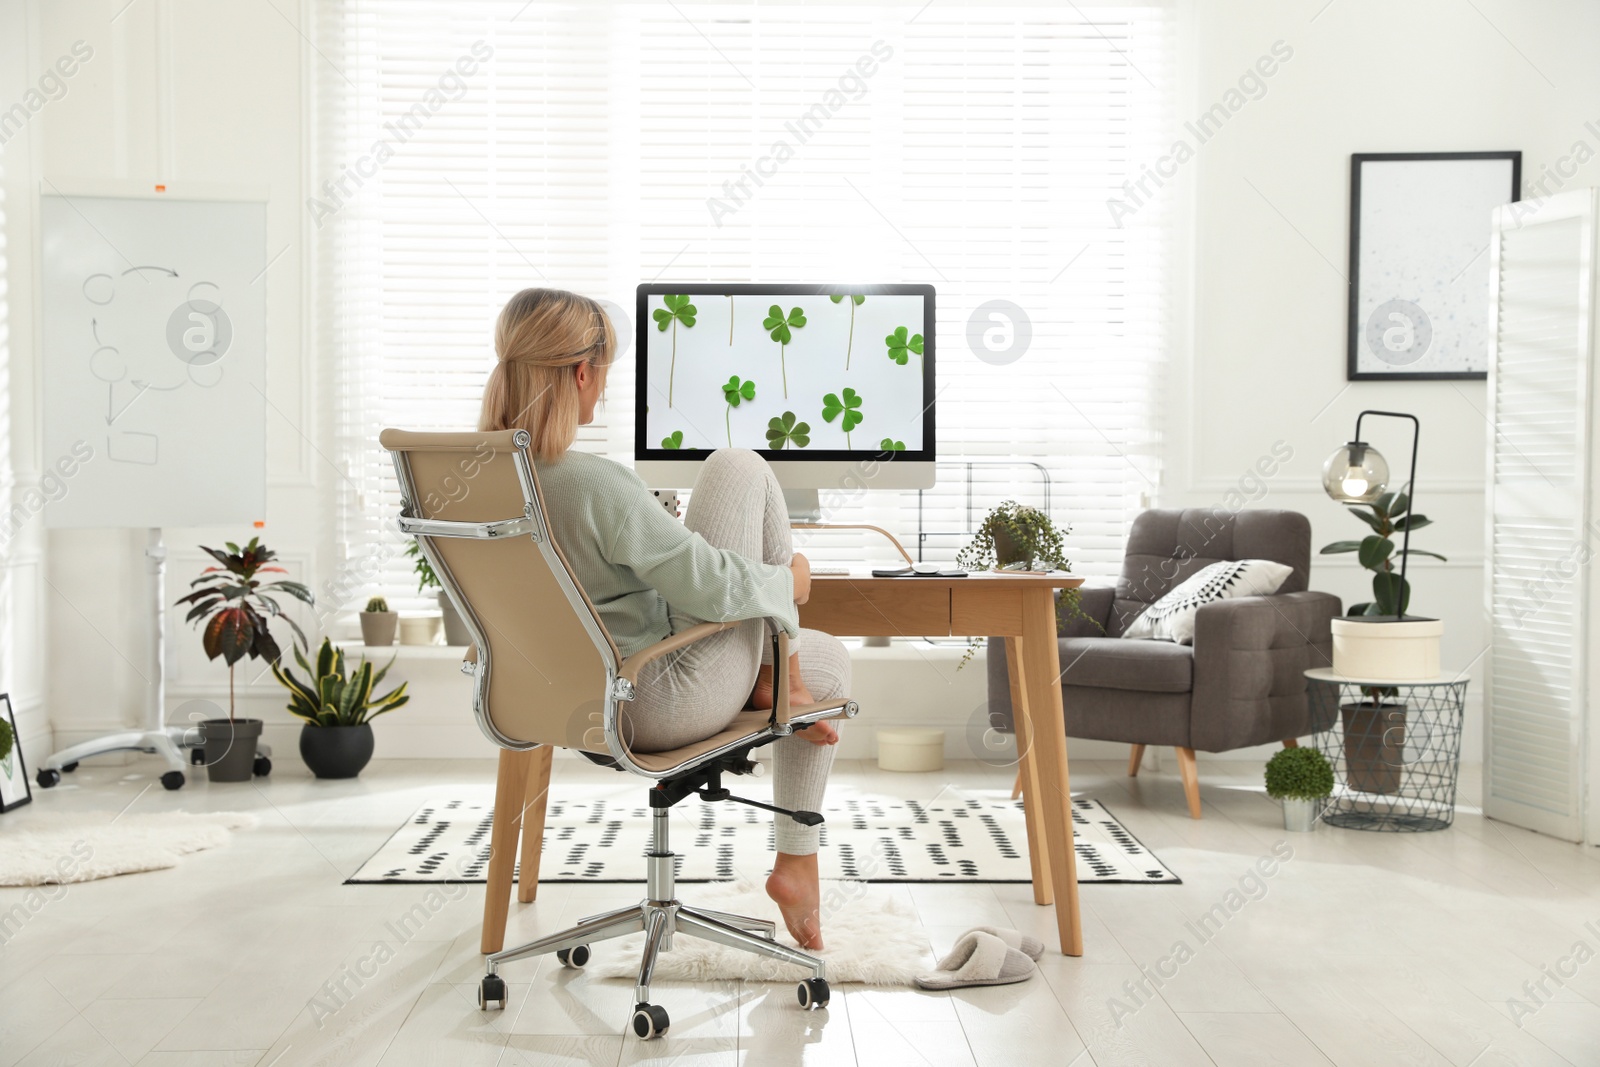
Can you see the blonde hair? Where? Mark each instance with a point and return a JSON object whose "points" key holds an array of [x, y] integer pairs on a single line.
{"points": [[541, 337]]}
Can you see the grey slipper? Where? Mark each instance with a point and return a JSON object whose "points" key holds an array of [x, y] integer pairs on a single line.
{"points": [[1027, 944], [978, 959]]}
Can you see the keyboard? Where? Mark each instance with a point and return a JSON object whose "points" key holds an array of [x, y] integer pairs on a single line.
{"points": [[830, 570]]}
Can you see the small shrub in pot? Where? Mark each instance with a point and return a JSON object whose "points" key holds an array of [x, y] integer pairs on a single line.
{"points": [[378, 623], [338, 709]]}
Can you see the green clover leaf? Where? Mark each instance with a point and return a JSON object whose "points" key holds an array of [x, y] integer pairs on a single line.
{"points": [[901, 346], [781, 329], [675, 441], [678, 309], [785, 431], [734, 390], [849, 407], [890, 445]]}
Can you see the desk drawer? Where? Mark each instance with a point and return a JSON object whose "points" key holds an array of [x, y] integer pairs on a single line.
{"points": [[898, 608]]}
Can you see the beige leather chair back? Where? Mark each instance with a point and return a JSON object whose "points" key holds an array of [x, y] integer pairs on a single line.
{"points": [[544, 658]]}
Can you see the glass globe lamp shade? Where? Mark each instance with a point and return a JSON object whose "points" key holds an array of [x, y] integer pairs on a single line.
{"points": [[1356, 473]]}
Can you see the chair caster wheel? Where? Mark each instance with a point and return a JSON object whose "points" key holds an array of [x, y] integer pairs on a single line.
{"points": [[650, 1021], [574, 957], [492, 990], [68, 768], [47, 778], [813, 993], [172, 780], [261, 767]]}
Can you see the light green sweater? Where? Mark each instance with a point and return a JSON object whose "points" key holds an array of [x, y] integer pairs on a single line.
{"points": [[634, 559]]}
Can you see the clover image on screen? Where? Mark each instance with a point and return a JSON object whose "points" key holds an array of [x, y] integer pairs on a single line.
{"points": [[733, 391], [781, 329], [856, 299], [677, 309], [849, 406]]}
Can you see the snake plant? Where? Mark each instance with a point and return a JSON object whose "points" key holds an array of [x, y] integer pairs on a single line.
{"points": [[333, 698]]}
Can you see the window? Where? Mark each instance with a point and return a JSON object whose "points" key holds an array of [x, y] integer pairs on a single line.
{"points": [[467, 152]]}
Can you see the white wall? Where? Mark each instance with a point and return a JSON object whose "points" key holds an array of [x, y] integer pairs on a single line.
{"points": [[190, 90], [1271, 208]]}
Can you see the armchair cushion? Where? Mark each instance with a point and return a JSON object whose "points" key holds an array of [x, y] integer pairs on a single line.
{"points": [[1172, 617], [1140, 666]]}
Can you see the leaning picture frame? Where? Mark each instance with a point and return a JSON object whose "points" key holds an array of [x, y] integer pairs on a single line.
{"points": [[1419, 262], [14, 788]]}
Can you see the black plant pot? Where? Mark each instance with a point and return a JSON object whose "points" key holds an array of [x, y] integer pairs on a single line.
{"points": [[1374, 746], [336, 751], [230, 748]]}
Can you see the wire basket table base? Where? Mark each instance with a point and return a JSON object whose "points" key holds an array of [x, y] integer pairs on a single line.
{"points": [[1395, 749]]}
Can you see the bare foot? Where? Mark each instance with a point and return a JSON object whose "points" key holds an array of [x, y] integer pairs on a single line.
{"points": [[761, 695], [794, 888]]}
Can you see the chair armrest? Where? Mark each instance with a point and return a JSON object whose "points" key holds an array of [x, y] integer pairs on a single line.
{"points": [[631, 666], [1096, 601], [1250, 655]]}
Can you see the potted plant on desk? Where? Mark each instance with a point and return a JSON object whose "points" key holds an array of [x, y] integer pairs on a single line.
{"points": [[1021, 539], [234, 605], [1302, 779], [455, 631], [338, 709]]}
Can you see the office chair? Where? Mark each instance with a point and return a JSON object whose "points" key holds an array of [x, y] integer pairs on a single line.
{"points": [[546, 672]]}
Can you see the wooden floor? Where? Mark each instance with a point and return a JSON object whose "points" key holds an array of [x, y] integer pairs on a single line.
{"points": [[1359, 949]]}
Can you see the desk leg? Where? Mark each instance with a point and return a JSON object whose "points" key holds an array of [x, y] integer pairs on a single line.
{"points": [[538, 792], [1028, 774], [511, 785], [1041, 678]]}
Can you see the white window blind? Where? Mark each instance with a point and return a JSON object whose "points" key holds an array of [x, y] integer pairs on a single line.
{"points": [[970, 146]]}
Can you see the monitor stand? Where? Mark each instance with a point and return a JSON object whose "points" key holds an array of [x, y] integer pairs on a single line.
{"points": [[805, 505]]}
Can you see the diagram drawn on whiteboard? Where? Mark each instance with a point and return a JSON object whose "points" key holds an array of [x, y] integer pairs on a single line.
{"points": [[154, 333]]}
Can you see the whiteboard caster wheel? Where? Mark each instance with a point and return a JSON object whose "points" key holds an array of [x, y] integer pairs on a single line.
{"points": [[492, 990], [47, 778], [813, 993], [650, 1021], [261, 767], [68, 768], [172, 780]]}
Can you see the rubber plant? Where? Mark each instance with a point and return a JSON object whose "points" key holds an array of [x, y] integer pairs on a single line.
{"points": [[856, 300], [334, 698], [781, 329], [235, 605], [848, 406], [733, 392], [1014, 537], [1377, 553], [1299, 774], [785, 431], [902, 343], [677, 309]]}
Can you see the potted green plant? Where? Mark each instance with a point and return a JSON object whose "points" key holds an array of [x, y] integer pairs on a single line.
{"points": [[338, 709], [1400, 648], [6, 740], [455, 630], [1013, 537], [232, 605], [378, 623], [1302, 779]]}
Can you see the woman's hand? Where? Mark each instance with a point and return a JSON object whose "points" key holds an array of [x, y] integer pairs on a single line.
{"points": [[801, 567]]}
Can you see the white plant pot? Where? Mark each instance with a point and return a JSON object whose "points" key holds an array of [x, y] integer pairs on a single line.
{"points": [[1387, 651], [910, 748], [1300, 816]]}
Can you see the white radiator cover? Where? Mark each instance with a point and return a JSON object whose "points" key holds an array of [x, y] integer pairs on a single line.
{"points": [[1543, 540]]}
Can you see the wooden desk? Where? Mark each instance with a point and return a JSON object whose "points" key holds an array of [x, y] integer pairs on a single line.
{"points": [[1020, 608]]}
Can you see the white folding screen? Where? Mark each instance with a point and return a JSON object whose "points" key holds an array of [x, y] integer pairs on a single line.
{"points": [[595, 146], [1542, 535]]}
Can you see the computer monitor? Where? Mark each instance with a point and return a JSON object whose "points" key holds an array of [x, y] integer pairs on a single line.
{"points": [[831, 383]]}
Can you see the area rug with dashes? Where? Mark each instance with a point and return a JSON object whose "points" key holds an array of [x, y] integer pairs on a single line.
{"points": [[595, 834]]}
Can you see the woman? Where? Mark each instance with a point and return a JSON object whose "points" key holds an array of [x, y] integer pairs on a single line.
{"points": [[649, 576]]}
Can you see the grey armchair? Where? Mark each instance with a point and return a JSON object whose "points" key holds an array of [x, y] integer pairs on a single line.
{"points": [[1240, 684]]}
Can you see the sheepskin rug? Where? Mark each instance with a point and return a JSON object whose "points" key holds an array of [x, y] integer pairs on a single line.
{"points": [[57, 848], [872, 936]]}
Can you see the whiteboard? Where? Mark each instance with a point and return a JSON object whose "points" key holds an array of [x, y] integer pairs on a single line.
{"points": [[154, 335]]}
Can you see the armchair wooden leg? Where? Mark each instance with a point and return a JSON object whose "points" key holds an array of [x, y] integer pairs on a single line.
{"points": [[1134, 759], [1291, 742], [510, 787], [1016, 788], [538, 793], [1191, 780]]}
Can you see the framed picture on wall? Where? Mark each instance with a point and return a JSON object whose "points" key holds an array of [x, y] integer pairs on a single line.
{"points": [[14, 788], [1419, 261]]}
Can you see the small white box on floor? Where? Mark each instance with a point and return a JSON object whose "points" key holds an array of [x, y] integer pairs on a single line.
{"points": [[908, 748]]}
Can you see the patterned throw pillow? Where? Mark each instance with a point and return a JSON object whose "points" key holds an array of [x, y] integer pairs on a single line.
{"points": [[1172, 617]]}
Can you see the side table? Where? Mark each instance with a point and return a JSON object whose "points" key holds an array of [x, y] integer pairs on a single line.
{"points": [[1395, 748]]}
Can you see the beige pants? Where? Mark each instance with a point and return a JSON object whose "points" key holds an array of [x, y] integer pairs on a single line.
{"points": [[694, 693]]}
